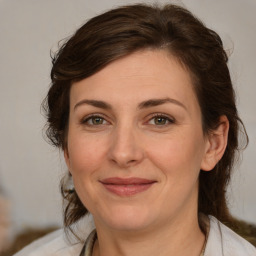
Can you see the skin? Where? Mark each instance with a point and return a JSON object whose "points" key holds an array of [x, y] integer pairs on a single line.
{"points": [[127, 140]]}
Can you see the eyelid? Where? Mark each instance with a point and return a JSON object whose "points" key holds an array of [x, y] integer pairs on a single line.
{"points": [[168, 117], [88, 117]]}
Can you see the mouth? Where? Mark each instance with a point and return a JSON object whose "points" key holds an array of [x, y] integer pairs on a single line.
{"points": [[127, 187]]}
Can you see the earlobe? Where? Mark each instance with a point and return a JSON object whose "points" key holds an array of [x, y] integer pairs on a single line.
{"points": [[216, 145]]}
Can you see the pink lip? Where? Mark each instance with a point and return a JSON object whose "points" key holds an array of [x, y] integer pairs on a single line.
{"points": [[128, 186]]}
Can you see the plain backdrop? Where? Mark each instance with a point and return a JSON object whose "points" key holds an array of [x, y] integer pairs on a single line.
{"points": [[30, 169]]}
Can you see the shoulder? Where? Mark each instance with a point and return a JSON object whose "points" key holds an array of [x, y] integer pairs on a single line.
{"points": [[223, 241], [56, 243], [53, 244]]}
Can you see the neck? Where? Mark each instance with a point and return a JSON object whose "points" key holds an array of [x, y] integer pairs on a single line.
{"points": [[181, 236]]}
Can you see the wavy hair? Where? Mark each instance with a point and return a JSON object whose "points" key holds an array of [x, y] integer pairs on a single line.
{"points": [[127, 29]]}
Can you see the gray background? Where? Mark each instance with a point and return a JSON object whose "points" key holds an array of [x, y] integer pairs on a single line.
{"points": [[30, 169]]}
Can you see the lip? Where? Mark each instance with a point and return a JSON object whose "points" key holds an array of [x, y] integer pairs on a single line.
{"points": [[126, 186]]}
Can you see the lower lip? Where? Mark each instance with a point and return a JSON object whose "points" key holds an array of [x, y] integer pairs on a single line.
{"points": [[127, 190]]}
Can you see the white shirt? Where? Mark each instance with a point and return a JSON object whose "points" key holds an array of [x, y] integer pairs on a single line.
{"points": [[222, 241]]}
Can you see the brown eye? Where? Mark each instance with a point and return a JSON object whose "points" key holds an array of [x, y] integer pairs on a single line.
{"points": [[160, 120], [97, 120], [94, 120]]}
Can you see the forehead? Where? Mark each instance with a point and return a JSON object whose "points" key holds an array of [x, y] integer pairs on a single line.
{"points": [[139, 76]]}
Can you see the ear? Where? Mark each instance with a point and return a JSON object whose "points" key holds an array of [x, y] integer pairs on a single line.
{"points": [[66, 156], [216, 143]]}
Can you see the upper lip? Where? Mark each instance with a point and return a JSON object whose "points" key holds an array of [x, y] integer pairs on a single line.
{"points": [[126, 181]]}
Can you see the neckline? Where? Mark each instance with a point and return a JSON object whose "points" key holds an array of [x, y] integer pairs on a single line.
{"points": [[89, 244]]}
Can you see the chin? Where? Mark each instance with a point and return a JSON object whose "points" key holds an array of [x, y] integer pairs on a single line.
{"points": [[124, 219]]}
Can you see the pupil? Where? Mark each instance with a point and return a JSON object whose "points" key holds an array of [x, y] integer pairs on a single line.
{"points": [[160, 120], [97, 120]]}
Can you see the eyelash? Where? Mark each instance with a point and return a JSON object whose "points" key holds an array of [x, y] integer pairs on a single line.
{"points": [[86, 120], [163, 116], [152, 117]]}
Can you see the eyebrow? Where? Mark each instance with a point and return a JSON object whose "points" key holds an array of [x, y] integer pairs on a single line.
{"points": [[145, 104], [156, 102], [95, 103]]}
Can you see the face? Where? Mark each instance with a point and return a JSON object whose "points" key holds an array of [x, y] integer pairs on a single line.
{"points": [[135, 143]]}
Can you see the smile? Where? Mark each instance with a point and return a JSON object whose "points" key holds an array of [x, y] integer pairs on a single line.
{"points": [[126, 187]]}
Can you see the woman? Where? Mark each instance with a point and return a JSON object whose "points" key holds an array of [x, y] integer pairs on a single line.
{"points": [[142, 105]]}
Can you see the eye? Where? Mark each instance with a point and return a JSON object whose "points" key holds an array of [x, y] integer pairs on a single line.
{"points": [[94, 120], [160, 120]]}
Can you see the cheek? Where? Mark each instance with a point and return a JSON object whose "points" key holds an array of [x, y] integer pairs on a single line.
{"points": [[86, 154], [179, 154]]}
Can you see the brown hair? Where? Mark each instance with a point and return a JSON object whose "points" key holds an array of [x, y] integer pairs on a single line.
{"points": [[124, 30]]}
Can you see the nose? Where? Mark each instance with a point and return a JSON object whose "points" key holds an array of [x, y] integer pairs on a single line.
{"points": [[125, 149]]}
